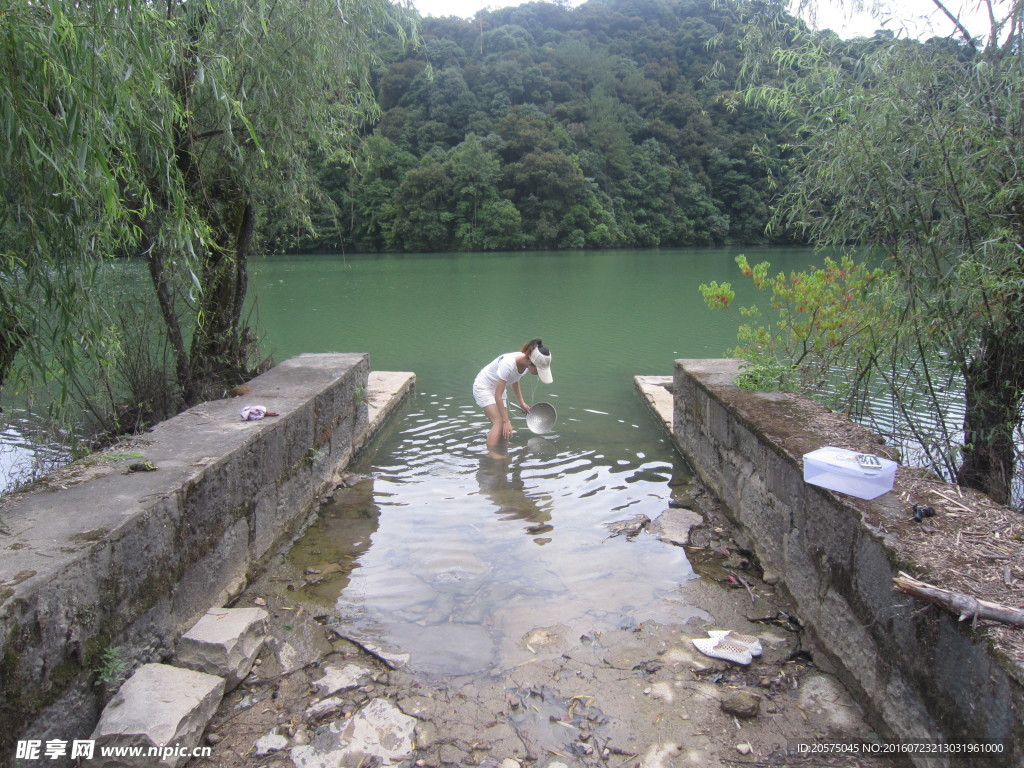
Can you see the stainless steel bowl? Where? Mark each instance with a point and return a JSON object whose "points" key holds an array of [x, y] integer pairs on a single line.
{"points": [[541, 418]]}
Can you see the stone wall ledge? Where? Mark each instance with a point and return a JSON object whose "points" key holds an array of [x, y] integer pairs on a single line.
{"points": [[922, 675], [98, 556]]}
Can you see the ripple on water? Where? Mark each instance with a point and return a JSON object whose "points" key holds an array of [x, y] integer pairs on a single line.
{"points": [[461, 553]]}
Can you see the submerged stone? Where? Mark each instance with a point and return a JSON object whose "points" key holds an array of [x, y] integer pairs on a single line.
{"points": [[674, 525]]}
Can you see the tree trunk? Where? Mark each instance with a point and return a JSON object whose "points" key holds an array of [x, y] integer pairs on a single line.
{"points": [[183, 368], [219, 351], [994, 386]]}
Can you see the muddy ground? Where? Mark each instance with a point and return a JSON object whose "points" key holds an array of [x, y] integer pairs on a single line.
{"points": [[637, 696]]}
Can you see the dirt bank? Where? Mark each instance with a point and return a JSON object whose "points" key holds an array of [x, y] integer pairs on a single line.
{"points": [[641, 695]]}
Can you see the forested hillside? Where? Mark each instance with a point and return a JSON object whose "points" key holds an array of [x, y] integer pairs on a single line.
{"points": [[612, 124]]}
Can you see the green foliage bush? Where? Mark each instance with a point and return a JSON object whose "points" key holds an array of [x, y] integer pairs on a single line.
{"points": [[791, 340]]}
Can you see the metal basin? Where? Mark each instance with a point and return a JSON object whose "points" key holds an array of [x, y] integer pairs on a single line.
{"points": [[541, 418]]}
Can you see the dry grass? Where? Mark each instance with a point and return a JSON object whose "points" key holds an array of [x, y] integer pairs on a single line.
{"points": [[971, 546]]}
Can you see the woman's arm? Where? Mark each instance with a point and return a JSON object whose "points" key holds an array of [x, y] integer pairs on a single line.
{"points": [[519, 397]]}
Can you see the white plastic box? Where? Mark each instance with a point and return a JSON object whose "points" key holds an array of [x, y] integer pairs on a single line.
{"points": [[838, 470]]}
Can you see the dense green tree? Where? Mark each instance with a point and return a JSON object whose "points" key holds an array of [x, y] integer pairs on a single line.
{"points": [[451, 103], [476, 174], [397, 80], [575, 93], [421, 216], [372, 181]]}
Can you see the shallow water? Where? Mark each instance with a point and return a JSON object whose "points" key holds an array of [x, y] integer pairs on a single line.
{"points": [[451, 555]]}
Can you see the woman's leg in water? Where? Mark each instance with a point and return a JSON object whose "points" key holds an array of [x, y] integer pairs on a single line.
{"points": [[494, 435]]}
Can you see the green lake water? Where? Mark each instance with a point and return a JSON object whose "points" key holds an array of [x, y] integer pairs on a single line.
{"points": [[606, 316]]}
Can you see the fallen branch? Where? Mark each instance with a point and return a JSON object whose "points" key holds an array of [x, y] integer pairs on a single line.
{"points": [[746, 584], [966, 606], [954, 502]]}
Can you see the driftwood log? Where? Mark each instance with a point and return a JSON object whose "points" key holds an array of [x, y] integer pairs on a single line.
{"points": [[965, 606]]}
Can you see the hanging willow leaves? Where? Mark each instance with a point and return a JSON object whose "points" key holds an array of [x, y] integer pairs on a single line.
{"points": [[163, 131]]}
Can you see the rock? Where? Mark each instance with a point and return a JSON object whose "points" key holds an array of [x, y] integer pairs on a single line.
{"points": [[393, 659], [224, 642], [425, 734], [349, 479], [379, 731], [452, 755], [321, 709], [246, 701], [744, 748], [416, 706], [158, 706], [337, 679], [272, 742], [741, 703], [546, 638], [674, 525], [629, 528]]}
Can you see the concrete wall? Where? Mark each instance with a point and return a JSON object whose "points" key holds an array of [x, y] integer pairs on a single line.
{"points": [[98, 556], [923, 676]]}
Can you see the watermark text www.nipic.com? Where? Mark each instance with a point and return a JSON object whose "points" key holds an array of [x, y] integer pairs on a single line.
{"points": [[85, 749]]}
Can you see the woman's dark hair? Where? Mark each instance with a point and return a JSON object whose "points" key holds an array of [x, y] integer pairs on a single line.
{"points": [[533, 344]]}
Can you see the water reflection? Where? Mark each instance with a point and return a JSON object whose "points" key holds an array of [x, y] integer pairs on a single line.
{"points": [[26, 453], [330, 550], [501, 481]]}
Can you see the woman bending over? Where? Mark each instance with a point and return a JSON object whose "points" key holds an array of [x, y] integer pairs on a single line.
{"points": [[490, 389]]}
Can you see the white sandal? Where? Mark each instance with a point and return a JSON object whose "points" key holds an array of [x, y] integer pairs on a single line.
{"points": [[752, 643], [721, 648]]}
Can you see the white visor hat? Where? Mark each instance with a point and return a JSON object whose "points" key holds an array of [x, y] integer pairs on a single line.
{"points": [[543, 362]]}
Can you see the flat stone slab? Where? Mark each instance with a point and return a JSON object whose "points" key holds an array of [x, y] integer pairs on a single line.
{"points": [[144, 554], [656, 392], [225, 642], [385, 391], [162, 708]]}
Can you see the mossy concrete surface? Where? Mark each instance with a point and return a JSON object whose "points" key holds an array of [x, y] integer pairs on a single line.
{"points": [[110, 553], [923, 676]]}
